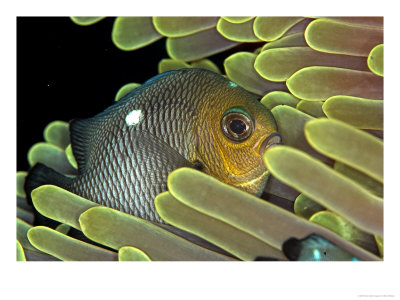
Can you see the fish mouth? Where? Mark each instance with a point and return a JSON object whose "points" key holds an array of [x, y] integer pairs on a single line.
{"points": [[272, 140]]}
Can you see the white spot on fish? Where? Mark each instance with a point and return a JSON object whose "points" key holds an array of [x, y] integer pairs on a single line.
{"points": [[317, 254], [232, 84], [134, 117]]}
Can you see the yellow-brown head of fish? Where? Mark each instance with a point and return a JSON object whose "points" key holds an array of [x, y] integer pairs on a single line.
{"points": [[233, 130]]}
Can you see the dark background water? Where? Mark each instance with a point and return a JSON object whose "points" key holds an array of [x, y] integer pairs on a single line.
{"points": [[67, 71]]}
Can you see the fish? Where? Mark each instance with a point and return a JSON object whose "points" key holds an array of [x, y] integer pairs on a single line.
{"points": [[315, 248], [184, 118]]}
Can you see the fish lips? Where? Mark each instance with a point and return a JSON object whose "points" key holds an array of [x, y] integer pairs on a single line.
{"points": [[272, 140]]}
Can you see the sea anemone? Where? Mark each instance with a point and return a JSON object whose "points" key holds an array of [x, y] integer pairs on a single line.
{"points": [[322, 78]]}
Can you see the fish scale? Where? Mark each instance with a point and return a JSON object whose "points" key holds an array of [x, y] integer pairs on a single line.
{"points": [[126, 152]]}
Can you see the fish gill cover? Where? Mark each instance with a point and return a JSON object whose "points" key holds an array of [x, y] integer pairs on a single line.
{"points": [[322, 79]]}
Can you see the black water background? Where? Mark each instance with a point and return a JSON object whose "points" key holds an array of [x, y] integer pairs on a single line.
{"points": [[66, 71]]}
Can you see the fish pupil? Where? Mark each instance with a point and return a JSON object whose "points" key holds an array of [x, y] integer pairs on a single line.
{"points": [[237, 126]]}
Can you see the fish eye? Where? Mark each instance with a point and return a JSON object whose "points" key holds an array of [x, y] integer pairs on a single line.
{"points": [[237, 125]]}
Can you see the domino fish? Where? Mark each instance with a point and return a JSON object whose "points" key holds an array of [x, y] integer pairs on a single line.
{"points": [[185, 118], [315, 248]]}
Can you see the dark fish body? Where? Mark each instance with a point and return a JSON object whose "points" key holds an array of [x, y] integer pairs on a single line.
{"points": [[125, 153]]}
